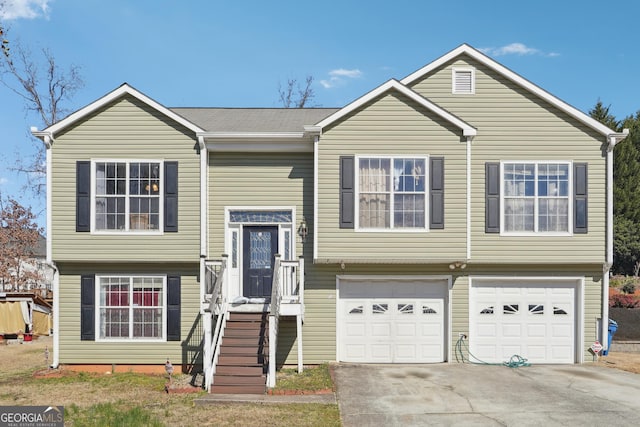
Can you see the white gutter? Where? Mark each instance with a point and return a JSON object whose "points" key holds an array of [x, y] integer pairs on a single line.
{"points": [[56, 316], [613, 139]]}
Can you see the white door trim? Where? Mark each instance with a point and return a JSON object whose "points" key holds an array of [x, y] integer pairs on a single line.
{"points": [[579, 283]]}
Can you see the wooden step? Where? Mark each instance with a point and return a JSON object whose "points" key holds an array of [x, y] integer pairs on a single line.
{"points": [[231, 332], [240, 370], [244, 341], [228, 350], [241, 360], [251, 317], [240, 380], [255, 326], [238, 389]]}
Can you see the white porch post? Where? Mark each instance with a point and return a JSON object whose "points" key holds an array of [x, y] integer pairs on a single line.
{"points": [[299, 327]]}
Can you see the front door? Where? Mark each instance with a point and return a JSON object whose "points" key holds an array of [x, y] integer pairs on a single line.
{"points": [[260, 244]]}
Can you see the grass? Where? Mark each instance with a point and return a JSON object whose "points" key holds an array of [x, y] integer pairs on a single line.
{"points": [[129, 399], [310, 379]]}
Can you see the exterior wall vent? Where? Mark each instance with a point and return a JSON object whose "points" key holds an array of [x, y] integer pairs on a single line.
{"points": [[463, 81]]}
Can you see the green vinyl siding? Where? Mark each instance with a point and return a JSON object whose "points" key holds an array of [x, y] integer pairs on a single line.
{"points": [[124, 129], [392, 125], [515, 125], [75, 351], [258, 180]]}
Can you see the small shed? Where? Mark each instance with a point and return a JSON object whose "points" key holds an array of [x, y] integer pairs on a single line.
{"points": [[26, 313]]}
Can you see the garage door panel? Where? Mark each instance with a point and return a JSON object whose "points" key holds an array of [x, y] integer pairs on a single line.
{"points": [[395, 322], [534, 320]]}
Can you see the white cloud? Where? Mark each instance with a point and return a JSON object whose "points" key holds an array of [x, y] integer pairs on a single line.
{"points": [[519, 49], [3, 180], [26, 9], [337, 77]]}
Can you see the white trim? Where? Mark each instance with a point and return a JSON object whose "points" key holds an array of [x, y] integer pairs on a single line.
{"points": [[264, 146], [130, 276], [570, 198], [121, 91], [454, 87], [447, 350], [467, 130], [515, 280], [316, 219], [427, 185], [519, 80], [128, 196], [251, 135]]}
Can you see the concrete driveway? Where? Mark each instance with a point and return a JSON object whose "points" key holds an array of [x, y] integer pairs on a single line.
{"points": [[476, 395]]}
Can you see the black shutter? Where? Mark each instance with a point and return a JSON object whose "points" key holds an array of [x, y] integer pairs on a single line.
{"points": [[347, 192], [492, 197], [173, 308], [87, 307], [83, 196], [171, 196], [580, 190], [436, 193]]}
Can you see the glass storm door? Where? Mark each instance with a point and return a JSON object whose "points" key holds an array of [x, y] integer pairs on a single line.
{"points": [[260, 244]]}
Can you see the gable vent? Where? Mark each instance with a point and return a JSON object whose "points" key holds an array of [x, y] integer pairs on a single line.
{"points": [[463, 80]]}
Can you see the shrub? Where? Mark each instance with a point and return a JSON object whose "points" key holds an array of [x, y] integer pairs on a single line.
{"points": [[629, 287], [624, 301]]}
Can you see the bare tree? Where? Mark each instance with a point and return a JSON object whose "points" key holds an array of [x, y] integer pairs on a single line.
{"points": [[293, 95], [45, 89], [19, 236]]}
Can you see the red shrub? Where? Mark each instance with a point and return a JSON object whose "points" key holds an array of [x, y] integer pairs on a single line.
{"points": [[624, 301]]}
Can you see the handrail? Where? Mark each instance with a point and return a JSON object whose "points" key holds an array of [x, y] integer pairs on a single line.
{"points": [[274, 318], [218, 308]]}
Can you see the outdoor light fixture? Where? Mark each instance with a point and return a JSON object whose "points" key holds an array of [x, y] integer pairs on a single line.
{"points": [[458, 264], [303, 230]]}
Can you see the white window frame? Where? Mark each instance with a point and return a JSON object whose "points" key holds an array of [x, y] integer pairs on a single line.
{"points": [[454, 87], [391, 228], [131, 339], [127, 196], [537, 198]]}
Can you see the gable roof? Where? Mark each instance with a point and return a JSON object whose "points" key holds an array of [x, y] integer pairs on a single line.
{"points": [[393, 84], [253, 120], [119, 92], [465, 49]]}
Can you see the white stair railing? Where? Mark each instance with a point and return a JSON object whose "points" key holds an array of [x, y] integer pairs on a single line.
{"points": [[274, 317], [215, 276]]}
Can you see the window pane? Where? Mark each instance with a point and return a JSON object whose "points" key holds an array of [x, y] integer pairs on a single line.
{"points": [[409, 211], [519, 180], [374, 211], [519, 215], [553, 215]]}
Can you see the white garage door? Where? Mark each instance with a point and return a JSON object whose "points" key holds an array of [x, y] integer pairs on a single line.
{"points": [[534, 320], [392, 322]]}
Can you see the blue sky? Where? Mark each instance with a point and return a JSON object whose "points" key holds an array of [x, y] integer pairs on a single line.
{"points": [[235, 53]]}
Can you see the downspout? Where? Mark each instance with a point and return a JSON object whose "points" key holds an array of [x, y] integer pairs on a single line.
{"points": [[613, 139], [469, 140], [204, 204], [316, 140], [47, 138]]}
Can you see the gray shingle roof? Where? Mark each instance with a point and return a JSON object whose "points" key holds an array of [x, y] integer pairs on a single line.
{"points": [[254, 119]]}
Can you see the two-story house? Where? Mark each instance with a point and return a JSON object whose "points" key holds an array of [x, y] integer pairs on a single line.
{"points": [[461, 202]]}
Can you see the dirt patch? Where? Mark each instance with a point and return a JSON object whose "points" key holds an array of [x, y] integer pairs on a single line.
{"points": [[624, 361]]}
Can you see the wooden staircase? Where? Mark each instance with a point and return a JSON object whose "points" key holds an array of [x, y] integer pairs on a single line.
{"points": [[242, 364]]}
